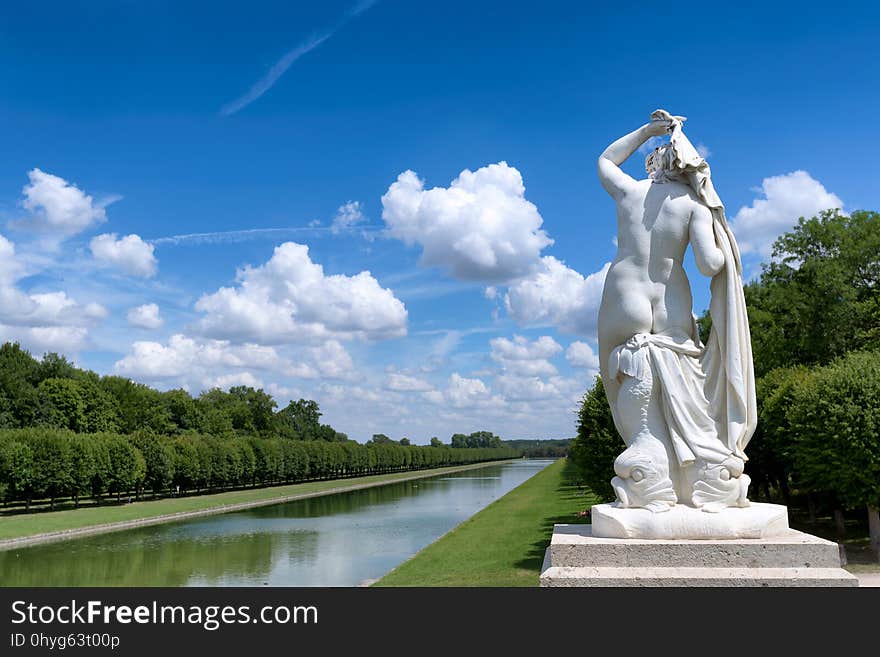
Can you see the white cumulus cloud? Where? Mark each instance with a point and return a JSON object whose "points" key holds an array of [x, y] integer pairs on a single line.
{"points": [[42, 339], [557, 295], [290, 299], [10, 267], [57, 206], [347, 216], [130, 254], [44, 321], [786, 198], [520, 357], [331, 361], [464, 393], [146, 316], [533, 388], [185, 357], [480, 228], [198, 363], [580, 354], [405, 383]]}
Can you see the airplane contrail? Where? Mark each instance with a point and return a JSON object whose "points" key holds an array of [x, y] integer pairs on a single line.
{"points": [[280, 67]]}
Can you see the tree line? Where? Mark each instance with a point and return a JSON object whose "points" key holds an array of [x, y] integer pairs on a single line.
{"points": [[52, 393], [68, 433], [550, 448], [814, 314], [51, 464]]}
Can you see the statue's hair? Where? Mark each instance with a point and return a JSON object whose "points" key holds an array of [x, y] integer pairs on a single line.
{"points": [[661, 158]]}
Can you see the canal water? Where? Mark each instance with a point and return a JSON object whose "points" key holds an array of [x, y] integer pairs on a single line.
{"points": [[345, 539]]}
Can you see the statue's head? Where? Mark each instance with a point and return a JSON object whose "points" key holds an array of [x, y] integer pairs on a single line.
{"points": [[661, 159]]}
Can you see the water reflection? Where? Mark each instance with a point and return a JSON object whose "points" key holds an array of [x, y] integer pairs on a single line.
{"points": [[335, 540]]}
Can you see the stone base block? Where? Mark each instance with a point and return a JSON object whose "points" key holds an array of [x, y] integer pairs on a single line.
{"points": [[577, 558], [754, 521]]}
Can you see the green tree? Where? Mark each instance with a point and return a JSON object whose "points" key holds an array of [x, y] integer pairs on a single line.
{"points": [[597, 443], [54, 366], [835, 426], [52, 467], [183, 411], [140, 407], [158, 461], [300, 420], [770, 465], [82, 466], [127, 466], [61, 404], [260, 405], [16, 468], [458, 441], [819, 297], [18, 378], [100, 408]]}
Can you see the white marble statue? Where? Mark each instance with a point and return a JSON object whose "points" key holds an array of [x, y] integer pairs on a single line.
{"points": [[685, 410]]}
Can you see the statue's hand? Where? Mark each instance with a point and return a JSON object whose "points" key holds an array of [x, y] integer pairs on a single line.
{"points": [[658, 127], [663, 114]]}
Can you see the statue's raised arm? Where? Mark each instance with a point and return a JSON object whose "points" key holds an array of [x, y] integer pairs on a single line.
{"points": [[613, 179]]}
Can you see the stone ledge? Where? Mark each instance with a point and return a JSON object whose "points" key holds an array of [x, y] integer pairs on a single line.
{"points": [[577, 558], [575, 546], [688, 577]]}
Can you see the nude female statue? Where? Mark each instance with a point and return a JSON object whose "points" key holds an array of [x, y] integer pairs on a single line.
{"points": [[684, 410]]}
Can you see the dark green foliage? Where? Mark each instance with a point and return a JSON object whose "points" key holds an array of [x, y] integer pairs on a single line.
{"points": [[158, 461], [474, 440], [16, 468], [769, 451], [19, 375], [140, 407], [597, 443], [300, 420], [540, 448], [835, 430], [60, 404], [69, 433], [820, 296], [43, 463], [184, 412]]}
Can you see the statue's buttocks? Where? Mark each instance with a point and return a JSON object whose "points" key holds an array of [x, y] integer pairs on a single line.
{"points": [[646, 288]]}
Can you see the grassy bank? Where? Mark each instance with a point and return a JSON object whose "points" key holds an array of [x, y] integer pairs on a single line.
{"points": [[26, 525], [502, 545]]}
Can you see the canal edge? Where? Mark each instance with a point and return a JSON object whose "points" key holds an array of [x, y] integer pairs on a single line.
{"points": [[106, 528]]}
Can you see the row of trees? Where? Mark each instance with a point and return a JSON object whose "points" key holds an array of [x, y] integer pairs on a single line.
{"points": [[52, 393], [51, 464], [541, 448], [815, 322]]}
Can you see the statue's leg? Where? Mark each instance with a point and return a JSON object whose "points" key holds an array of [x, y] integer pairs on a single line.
{"points": [[643, 477]]}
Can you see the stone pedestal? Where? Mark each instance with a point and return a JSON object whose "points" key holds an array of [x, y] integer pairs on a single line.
{"points": [[758, 520], [577, 558]]}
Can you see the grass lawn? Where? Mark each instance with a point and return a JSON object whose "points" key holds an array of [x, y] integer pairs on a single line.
{"points": [[502, 545], [15, 526]]}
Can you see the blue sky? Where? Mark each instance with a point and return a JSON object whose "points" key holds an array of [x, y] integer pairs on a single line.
{"points": [[272, 127]]}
